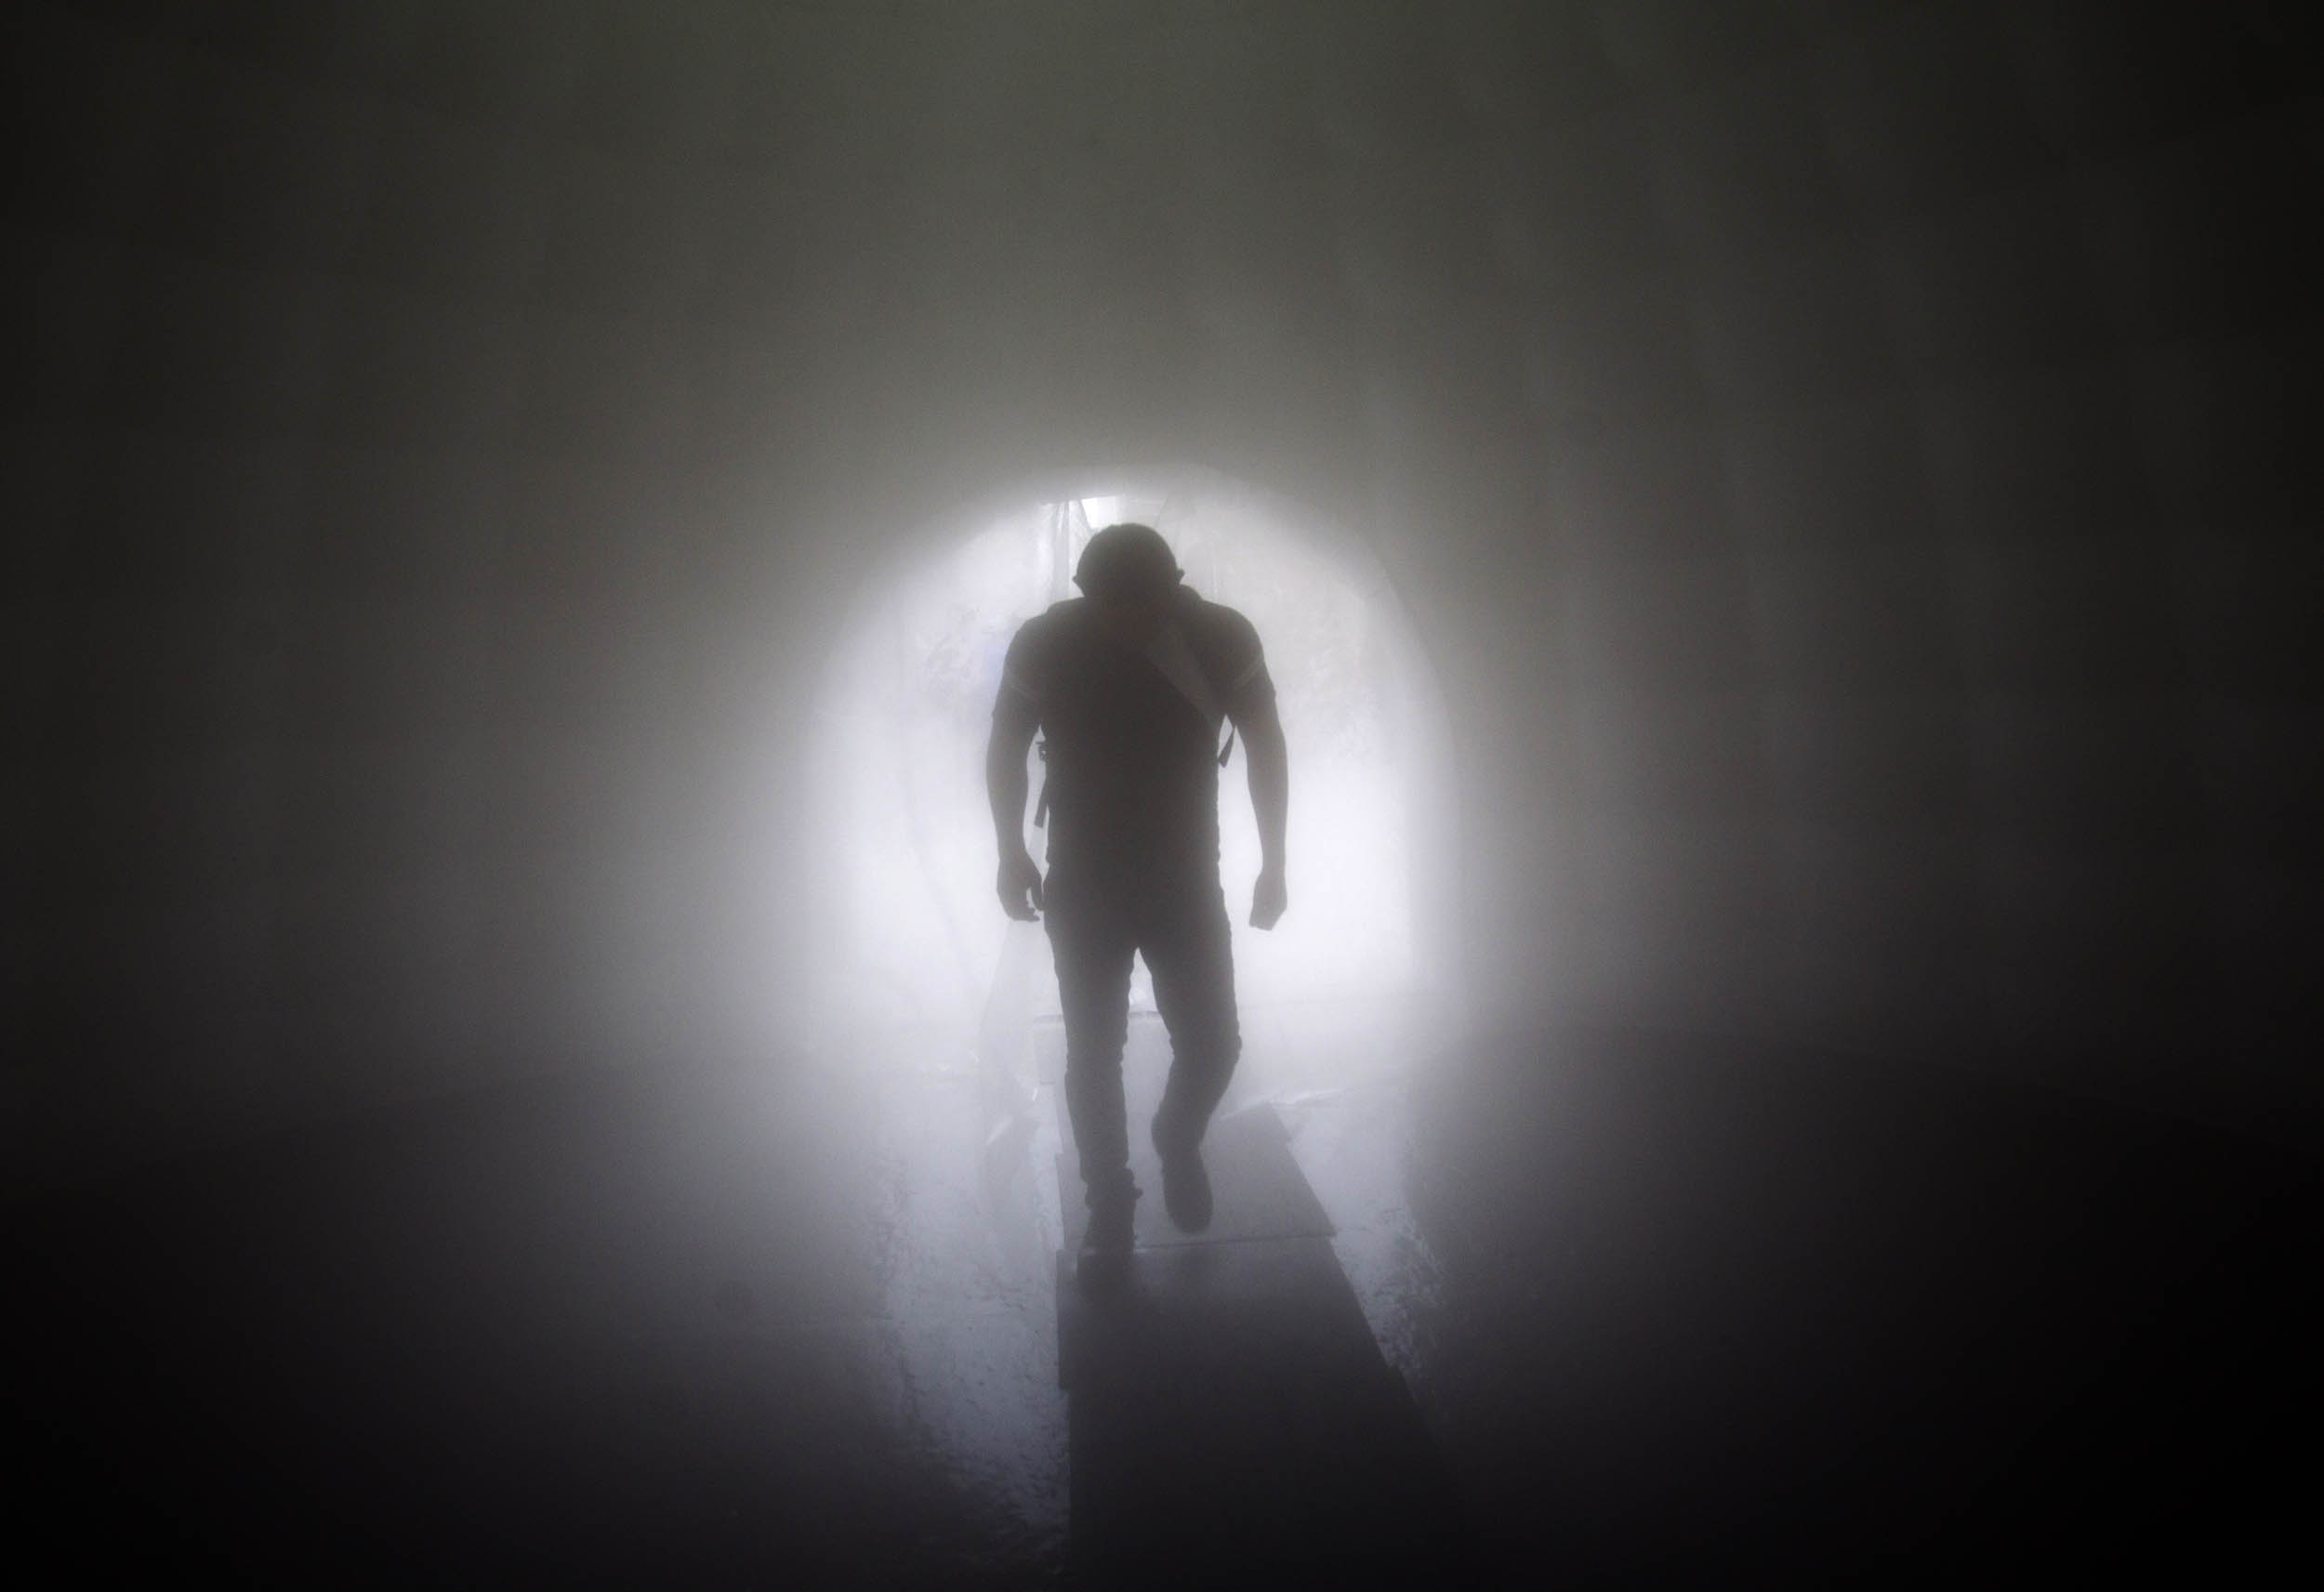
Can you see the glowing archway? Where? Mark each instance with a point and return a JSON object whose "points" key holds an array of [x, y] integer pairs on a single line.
{"points": [[907, 699]]}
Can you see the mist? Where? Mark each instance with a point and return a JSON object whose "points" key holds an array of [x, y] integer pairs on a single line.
{"points": [[1779, 531]]}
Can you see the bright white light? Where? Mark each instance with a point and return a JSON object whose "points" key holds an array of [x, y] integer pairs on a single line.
{"points": [[909, 701]]}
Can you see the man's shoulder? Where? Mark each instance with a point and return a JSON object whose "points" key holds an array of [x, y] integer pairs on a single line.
{"points": [[1055, 623], [1217, 612], [1046, 650], [1215, 625], [1057, 616], [1226, 648]]}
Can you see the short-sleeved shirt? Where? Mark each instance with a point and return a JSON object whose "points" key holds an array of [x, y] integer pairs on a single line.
{"points": [[1133, 737]]}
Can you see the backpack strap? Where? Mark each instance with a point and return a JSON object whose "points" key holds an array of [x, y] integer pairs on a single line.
{"points": [[1174, 657]]}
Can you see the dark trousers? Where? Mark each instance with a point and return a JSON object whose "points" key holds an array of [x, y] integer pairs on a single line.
{"points": [[1095, 926]]}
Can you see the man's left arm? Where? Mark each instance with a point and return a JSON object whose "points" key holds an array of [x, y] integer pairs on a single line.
{"points": [[1270, 762]]}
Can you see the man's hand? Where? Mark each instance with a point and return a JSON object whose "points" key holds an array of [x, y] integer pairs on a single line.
{"points": [[1270, 804], [1014, 723], [1020, 886], [1268, 899]]}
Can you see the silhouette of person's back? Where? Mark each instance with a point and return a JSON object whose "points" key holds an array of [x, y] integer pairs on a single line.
{"points": [[1130, 686]]}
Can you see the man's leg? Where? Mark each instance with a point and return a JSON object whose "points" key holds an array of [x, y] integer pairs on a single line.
{"points": [[1189, 949], [1093, 945]]}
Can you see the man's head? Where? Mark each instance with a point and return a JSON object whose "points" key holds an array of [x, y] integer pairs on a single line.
{"points": [[1127, 564], [1130, 576]]}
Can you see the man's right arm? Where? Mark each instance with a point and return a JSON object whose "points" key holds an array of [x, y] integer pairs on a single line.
{"points": [[1019, 881]]}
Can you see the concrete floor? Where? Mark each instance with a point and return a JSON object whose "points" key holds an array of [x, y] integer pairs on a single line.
{"points": [[1671, 1313]]}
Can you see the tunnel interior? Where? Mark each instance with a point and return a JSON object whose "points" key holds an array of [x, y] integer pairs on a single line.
{"points": [[1788, 537]]}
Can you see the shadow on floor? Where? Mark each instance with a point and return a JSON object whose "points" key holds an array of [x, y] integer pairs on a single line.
{"points": [[1233, 1420]]}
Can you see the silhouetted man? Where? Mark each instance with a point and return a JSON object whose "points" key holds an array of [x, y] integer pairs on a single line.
{"points": [[1129, 684]]}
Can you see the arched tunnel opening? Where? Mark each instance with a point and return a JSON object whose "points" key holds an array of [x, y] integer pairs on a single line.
{"points": [[907, 702], [957, 1009], [1782, 540]]}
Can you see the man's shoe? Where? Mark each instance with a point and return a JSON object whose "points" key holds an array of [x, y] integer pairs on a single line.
{"points": [[1186, 1183], [1107, 1245]]}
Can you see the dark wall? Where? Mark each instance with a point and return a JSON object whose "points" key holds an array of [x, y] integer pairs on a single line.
{"points": [[1845, 455]]}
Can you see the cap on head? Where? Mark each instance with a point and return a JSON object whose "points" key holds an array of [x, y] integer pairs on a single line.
{"points": [[1124, 564]]}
